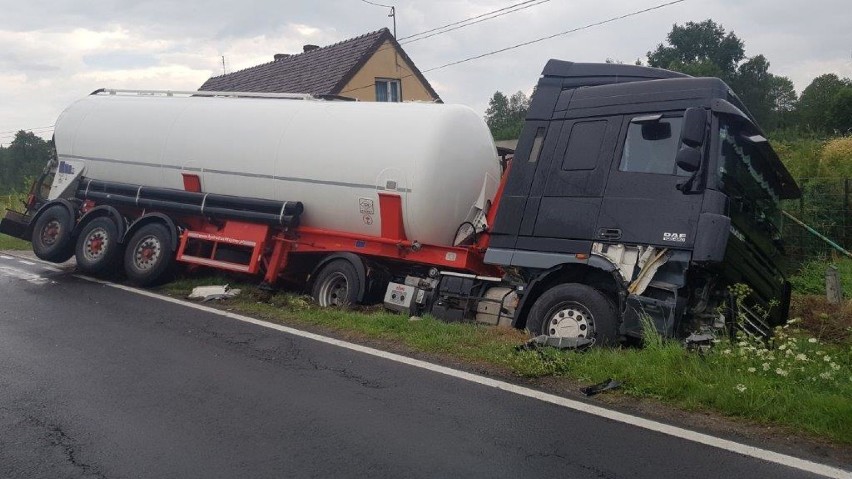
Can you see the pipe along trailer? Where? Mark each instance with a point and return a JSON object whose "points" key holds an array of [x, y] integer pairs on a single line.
{"points": [[633, 193]]}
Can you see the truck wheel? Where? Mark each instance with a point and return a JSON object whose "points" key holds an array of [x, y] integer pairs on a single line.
{"points": [[98, 251], [576, 311], [52, 235], [337, 284], [148, 256]]}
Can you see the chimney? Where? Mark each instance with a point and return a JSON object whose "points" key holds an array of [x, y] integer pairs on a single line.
{"points": [[309, 48], [280, 56]]}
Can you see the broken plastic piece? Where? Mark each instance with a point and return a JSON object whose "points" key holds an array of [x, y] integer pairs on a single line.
{"points": [[607, 385], [556, 342], [208, 293], [700, 342]]}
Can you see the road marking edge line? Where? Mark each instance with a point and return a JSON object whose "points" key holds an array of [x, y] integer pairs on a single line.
{"points": [[670, 430]]}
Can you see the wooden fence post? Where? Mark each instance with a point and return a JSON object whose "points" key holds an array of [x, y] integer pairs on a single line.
{"points": [[833, 290]]}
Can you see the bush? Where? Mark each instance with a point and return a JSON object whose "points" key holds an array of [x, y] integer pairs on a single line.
{"points": [[836, 158]]}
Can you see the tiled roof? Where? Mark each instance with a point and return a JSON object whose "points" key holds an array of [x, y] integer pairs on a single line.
{"points": [[323, 71]]}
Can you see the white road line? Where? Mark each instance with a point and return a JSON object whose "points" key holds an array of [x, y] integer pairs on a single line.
{"points": [[33, 262], [678, 432], [24, 275]]}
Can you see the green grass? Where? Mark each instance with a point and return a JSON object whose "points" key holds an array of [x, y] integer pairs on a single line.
{"points": [[12, 202], [810, 279], [664, 370]]}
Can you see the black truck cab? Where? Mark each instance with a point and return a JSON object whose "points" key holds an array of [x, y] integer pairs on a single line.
{"points": [[656, 188]]}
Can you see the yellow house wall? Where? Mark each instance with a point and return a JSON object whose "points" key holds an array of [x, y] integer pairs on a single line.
{"points": [[386, 63]]}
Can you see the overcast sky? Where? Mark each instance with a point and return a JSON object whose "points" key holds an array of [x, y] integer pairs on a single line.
{"points": [[53, 52]]}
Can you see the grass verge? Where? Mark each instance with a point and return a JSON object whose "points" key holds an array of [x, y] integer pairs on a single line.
{"points": [[789, 383], [12, 202]]}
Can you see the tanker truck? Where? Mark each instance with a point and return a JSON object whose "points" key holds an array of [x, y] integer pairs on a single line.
{"points": [[634, 196]]}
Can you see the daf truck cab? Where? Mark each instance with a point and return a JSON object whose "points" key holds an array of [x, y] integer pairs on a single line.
{"points": [[656, 190]]}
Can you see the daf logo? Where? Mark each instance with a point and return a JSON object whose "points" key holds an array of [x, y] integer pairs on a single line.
{"points": [[675, 237]]}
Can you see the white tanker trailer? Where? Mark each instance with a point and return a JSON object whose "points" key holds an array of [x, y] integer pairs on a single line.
{"points": [[633, 194], [334, 156]]}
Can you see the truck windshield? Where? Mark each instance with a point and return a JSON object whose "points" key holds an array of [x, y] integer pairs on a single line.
{"points": [[745, 177]]}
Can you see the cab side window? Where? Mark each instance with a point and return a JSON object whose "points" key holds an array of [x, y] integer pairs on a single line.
{"points": [[651, 146]]}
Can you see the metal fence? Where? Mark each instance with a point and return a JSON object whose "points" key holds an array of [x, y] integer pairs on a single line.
{"points": [[824, 206]]}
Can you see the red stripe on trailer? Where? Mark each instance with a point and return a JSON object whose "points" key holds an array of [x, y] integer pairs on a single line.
{"points": [[390, 211], [191, 182]]}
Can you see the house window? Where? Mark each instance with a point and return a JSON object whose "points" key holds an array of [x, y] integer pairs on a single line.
{"points": [[387, 90]]}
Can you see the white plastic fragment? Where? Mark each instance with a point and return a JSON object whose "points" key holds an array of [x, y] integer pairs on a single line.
{"points": [[208, 293]]}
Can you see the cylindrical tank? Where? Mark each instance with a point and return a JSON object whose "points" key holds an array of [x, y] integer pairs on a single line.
{"points": [[333, 156]]}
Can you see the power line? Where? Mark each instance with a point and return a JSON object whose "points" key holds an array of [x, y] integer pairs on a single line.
{"points": [[468, 19], [477, 21], [537, 40], [566, 32], [377, 4]]}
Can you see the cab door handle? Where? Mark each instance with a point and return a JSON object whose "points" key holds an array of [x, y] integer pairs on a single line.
{"points": [[609, 233]]}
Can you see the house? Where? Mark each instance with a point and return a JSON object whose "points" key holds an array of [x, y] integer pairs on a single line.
{"points": [[371, 67]]}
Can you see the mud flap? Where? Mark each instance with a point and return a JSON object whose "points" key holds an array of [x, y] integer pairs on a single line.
{"points": [[16, 224]]}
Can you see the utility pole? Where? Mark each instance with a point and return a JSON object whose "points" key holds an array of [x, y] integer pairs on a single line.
{"points": [[223, 65], [392, 13]]}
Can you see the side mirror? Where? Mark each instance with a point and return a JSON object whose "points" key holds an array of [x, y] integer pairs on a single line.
{"points": [[694, 126], [688, 159]]}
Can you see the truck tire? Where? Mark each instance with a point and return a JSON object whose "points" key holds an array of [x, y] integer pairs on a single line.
{"points": [[574, 310], [98, 251], [337, 284], [51, 239], [148, 257]]}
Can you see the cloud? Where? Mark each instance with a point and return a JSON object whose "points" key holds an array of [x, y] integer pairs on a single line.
{"points": [[50, 59]]}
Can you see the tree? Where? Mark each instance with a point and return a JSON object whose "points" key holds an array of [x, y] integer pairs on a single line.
{"points": [[753, 84], [840, 112], [24, 158], [817, 99], [505, 116], [497, 114], [519, 104], [702, 49], [785, 99], [706, 49]]}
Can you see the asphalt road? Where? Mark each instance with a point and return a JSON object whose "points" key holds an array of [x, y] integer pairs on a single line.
{"points": [[103, 383]]}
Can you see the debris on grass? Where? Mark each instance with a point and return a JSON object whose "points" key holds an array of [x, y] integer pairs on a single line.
{"points": [[600, 387], [210, 293], [556, 342]]}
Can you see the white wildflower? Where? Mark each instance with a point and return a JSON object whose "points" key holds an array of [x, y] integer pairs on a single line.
{"points": [[751, 370], [780, 372], [726, 352], [812, 340], [782, 347], [741, 387], [766, 366], [825, 375], [826, 358], [801, 357], [835, 366]]}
